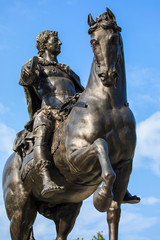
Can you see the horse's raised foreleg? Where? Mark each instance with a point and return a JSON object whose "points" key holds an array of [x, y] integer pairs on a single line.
{"points": [[84, 160], [119, 190]]}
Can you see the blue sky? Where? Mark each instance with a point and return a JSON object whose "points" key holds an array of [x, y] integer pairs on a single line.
{"points": [[20, 23]]}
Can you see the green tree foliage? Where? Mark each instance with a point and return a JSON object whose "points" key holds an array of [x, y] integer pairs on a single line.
{"points": [[79, 239], [98, 237]]}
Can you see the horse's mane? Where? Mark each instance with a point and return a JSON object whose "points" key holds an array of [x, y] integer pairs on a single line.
{"points": [[106, 21]]}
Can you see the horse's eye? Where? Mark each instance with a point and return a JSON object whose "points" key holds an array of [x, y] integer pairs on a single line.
{"points": [[94, 42], [114, 37]]}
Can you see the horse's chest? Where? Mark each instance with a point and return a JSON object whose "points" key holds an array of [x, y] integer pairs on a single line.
{"points": [[120, 132], [122, 119]]}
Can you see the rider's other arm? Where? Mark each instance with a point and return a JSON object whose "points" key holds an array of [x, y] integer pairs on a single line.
{"points": [[29, 73]]}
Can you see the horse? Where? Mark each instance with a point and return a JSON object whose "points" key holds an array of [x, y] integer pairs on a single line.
{"points": [[93, 148]]}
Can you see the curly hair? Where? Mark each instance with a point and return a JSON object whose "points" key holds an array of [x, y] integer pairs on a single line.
{"points": [[42, 39]]}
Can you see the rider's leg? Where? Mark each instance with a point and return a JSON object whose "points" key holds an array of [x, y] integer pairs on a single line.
{"points": [[123, 174], [43, 130], [129, 198], [85, 159]]}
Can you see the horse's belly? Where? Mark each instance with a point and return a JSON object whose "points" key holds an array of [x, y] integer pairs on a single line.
{"points": [[74, 193]]}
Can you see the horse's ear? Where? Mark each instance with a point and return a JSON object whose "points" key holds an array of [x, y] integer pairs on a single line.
{"points": [[111, 15], [90, 20]]}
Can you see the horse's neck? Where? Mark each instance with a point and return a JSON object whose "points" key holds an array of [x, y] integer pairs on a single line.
{"points": [[115, 95], [94, 80]]}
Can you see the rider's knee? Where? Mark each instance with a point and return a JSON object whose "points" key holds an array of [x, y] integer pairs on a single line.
{"points": [[44, 117]]}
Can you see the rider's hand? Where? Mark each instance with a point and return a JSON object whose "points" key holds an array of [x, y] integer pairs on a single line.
{"points": [[29, 71], [26, 71]]}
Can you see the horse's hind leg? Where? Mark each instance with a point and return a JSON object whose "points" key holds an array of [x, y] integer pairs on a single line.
{"points": [[31, 235], [66, 218], [23, 219], [85, 159], [119, 190], [20, 206], [64, 215]]}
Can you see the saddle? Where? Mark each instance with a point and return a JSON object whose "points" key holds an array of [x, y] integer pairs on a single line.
{"points": [[23, 145], [24, 142]]}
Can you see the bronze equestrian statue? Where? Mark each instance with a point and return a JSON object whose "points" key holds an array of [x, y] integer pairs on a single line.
{"points": [[93, 142]]}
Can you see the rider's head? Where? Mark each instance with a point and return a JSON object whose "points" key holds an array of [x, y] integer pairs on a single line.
{"points": [[48, 40]]}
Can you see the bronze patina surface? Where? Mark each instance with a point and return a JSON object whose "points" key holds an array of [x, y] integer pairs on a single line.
{"points": [[75, 140]]}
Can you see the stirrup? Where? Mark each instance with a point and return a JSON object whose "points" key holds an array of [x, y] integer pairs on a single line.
{"points": [[50, 189]]}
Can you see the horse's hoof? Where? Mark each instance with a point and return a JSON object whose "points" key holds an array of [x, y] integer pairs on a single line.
{"points": [[101, 200]]}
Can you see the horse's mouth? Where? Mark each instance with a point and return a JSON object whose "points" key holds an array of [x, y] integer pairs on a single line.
{"points": [[110, 78], [102, 76]]}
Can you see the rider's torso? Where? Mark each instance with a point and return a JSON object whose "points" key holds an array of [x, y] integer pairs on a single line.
{"points": [[55, 87]]}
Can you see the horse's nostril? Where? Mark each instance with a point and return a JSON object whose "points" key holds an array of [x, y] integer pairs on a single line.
{"points": [[101, 75]]}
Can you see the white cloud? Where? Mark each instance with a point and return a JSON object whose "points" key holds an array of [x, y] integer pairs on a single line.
{"points": [[4, 223], [150, 201], [143, 78], [44, 228], [3, 109], [134, 236], [148, 144], [7, 136], [136, 222], [143, 91]]}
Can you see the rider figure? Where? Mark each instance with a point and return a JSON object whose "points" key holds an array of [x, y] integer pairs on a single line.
{"points": [[48, 85]]}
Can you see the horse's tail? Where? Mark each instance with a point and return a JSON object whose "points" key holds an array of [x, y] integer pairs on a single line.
{"points": [[17, 200]]}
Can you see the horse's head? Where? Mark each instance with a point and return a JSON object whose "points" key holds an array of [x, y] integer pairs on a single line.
{"points": [[107, 46]]}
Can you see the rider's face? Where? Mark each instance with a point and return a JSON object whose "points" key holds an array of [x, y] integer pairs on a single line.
{"points": [[54, 45]]}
